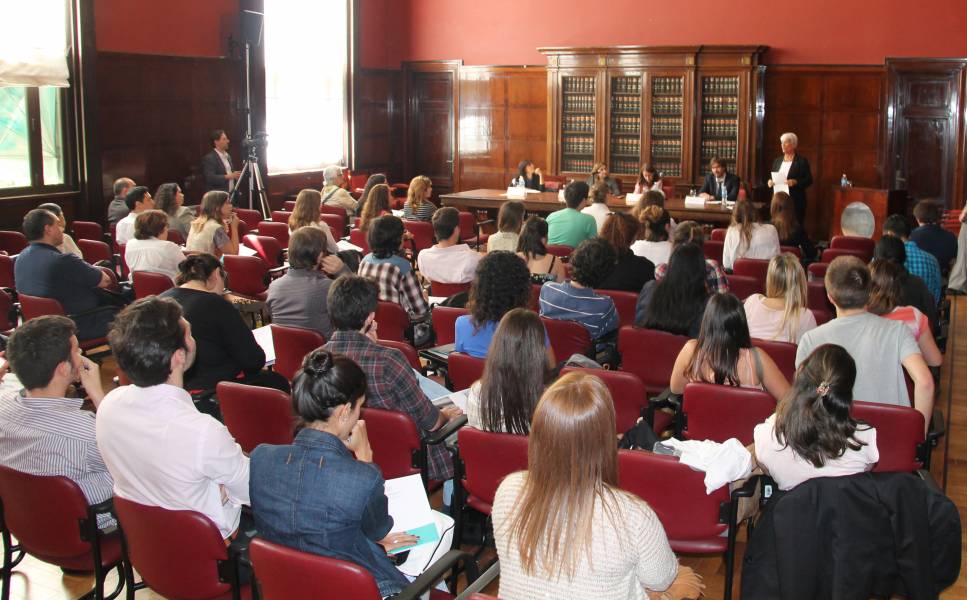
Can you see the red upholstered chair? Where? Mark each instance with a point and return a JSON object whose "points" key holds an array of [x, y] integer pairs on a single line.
{"points": [[744, 286], [821, 316], [719, 412], [899, 435], [95, 251], [485, 459], [444, 323], [288, 574], [12, 242], [718, 234], [35, 306], [817, 271], [470, 230], [559, 250], [626, 303], [280, 231], [553, 183], [408, 351], [781, 353], [175, 237], [8, 313], [794, 250], [256, 415], [693, 520], [567, 337], [713, 249], [6, 272], [422, 232], [851, 242], [281, 216], [464, 369], [147, 284], [830, 253], [288, 205], [195, 570], [650, 354], [248, 276], [535, 303], [445, 290], [398, 448], [87, 230], [251, 217], [392, 321], [336, 223], [332, 210], [358, 238], [816, 297], [267, 248], [52, 521], [292, 344], [627, 393], [752, 267]]}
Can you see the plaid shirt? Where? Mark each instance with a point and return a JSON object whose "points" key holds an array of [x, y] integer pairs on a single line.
{"points": [[392, 385], [397, 283], [925, 266], [714, 276]]}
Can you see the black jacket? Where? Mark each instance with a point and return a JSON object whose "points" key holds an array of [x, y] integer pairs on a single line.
{"points": [[213, 171], [798, 170], [839, 538], [732, 185], [534, 183]]}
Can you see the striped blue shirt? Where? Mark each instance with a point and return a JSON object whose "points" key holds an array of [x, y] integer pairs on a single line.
{"points": [[565, 302], [53, 436]]}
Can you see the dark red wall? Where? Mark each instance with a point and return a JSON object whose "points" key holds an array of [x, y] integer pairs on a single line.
{"points": [[507, 32], [382, 33], [172, 27]]}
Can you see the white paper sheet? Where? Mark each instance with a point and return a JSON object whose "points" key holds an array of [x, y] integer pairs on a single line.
{"points": [[345, 245], [632, 199], [263, 337], [458, 399], [695, 201], [244, 250], [410, 509], [779, 182]]}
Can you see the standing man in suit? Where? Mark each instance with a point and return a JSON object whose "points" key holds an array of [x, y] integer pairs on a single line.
{"points": [[798, 175], [216, 166], [719, 178]]}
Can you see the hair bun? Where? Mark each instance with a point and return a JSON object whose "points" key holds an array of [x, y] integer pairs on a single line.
{"points": [[317, 363]]}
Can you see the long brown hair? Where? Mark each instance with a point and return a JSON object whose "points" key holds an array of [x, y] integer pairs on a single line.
{"points": [[887, 291], [514, 374], [744, 217], [377, 202], [783, 215], [648, 168], [620, 230], [306, 211], [786, 279], [722, 337], [211, 208], [416, 191], [572, 465]]}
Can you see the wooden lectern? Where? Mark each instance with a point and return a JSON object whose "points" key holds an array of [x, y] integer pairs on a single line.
{"points": [[882, 203]]}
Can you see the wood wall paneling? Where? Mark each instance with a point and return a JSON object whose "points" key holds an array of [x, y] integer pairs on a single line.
{"points": [[156, 113], [378, 127], [837, 113], [502, 117]]}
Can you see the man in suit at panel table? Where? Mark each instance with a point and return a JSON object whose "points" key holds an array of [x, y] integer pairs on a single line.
{"points": [[719, 178], [216, 166]]}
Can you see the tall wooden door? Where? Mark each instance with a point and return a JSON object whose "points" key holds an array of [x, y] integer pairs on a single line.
{"points": [[430, 125], [923, 125]]}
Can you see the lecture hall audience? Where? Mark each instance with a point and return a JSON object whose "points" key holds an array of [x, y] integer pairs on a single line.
{"points": [[333, 193], [510, 218], [418, 206], [598, 208], [930, 237], [575, 300], [886, 297], [918, 262], [306, 214], [532, 247], [652, 243], [215, 230], [150, 249], [448, 261], [117, 209], [676, 303], [915, 291], [748, 236], [568, 226], [781, 314], [690, 232], [375, 205], [138, 200], [170, 199], [68, 246]]}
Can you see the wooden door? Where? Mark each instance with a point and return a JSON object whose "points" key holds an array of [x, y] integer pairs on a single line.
{"points": [[924, 123], [430, 125]]}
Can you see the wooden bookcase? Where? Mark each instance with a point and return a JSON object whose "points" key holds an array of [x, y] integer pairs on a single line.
{"points": [[672, 106]]}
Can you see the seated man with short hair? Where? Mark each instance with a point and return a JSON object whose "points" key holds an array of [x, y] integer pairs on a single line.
{"points": [[160, 449], [930, 237], [569, 226], [575, 300], [42, 270], [333, 193], [448, 261], [881, 348], [137, 200], [118, 208], [391, 382], [919, 263], [42, 431]]}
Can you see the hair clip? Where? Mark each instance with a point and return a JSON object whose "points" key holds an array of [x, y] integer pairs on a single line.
{"points": [[823, 388]]}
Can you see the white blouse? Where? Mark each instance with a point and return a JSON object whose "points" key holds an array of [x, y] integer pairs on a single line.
{"points": [[763, 245], [657, 252], [154, 255]]}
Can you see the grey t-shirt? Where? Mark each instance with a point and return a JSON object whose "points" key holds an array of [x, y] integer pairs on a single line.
{"points": [[877, 345]]}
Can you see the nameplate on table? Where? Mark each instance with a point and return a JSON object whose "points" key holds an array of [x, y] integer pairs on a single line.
{"points": [[516, 193], [694, 201], [632, 199]]}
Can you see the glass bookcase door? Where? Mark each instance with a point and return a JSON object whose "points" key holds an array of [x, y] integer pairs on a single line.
{"points": [[625, 140], [667, 124], [578, 96], [720, 121]]}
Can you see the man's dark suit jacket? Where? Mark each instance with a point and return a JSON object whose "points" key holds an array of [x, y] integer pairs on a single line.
{"points": [[214, 172], [732, 185]]}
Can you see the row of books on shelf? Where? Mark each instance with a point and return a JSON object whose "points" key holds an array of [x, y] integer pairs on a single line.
{"points": [[666, 126], [720, 148], [578, 123], [626, 104], [720, 105], [624, 167], [625, 146], [579, 85], [720, 85], [667, 168], [579, 103], [666, 148], [666, 86], [720, 128], [667, 106], [578, 165], [625, 124], [626, 85], [577, 145]]}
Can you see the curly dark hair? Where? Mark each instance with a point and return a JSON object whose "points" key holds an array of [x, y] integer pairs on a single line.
{"points": [[502, 283], [593, 262]]}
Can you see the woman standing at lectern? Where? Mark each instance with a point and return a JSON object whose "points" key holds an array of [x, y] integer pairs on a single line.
{"points": [[528, 176], [797, 172]]}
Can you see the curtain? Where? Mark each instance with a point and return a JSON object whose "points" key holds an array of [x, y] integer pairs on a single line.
{"points": [[33, 43]]}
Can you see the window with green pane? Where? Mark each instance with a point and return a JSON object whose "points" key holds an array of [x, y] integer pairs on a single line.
{"points": [[52, 135], [14, 138]]}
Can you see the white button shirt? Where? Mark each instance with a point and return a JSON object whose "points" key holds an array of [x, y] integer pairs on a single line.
{"points": [[454, 264], [154, 255], [162, 452], [124, 230], [227, 163]]}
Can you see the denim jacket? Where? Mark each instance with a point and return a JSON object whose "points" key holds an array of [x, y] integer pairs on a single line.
{"points": [[315, 497]]}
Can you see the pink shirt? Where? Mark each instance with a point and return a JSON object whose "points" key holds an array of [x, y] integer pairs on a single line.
{"points": [[910, 316], [789, 469], [765, 322]]}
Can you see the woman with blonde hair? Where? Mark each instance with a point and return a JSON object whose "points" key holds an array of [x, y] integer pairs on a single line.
{"points": [[563, 528], [781, 314], [886, 300], [215, 231], [376, 205], [418, 206], [599, 174], [306, 214], [653, 241], [747, 236]]}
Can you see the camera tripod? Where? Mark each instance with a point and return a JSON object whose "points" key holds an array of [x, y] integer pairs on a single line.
{"points": [[250, 169]]}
